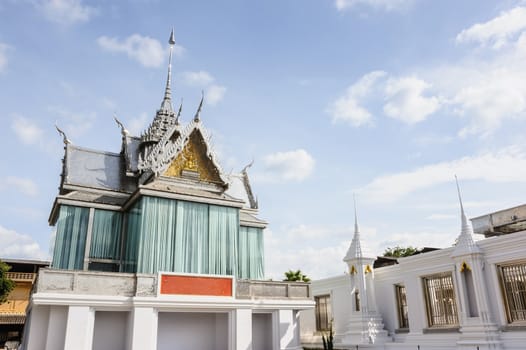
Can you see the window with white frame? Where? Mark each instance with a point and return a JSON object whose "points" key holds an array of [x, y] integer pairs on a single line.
{"points": [[441, 304], [401, 303], [513, 283], [323, 312]]}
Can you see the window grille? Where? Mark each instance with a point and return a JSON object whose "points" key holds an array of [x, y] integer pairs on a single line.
{"points": [[323, 312], [513, 282], [401, 302], [440, 300]]}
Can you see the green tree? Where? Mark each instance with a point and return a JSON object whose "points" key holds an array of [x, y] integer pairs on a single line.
{"points": [[296, 276], [398, 252], [6, 285]]}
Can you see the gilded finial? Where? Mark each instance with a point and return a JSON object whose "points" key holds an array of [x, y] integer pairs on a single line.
{"points": [[198, 113], [63, 134]]}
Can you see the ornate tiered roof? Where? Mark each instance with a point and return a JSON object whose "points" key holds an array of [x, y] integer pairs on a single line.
{"points": [[167, 155]]}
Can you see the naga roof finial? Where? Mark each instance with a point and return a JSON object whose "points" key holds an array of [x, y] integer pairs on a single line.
{"points": [[63, 134], [198, 113], [247, 166], [166, 105], [124, 131]]}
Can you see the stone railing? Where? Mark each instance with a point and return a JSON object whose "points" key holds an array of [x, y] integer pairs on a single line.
{"points": [[130, 284], [251, 289], [21, 276], [95, 283]]}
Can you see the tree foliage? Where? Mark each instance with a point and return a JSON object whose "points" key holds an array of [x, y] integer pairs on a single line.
{"points": [[296, 276], [6, 285], [398, 252]]}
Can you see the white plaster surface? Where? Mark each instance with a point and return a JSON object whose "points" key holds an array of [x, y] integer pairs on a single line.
{"points": [[262, 331], [110, 330], [196, 331]]}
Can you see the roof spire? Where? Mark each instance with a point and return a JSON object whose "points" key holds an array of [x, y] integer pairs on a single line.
{"points": [[465, 242], [179, 113], [464, 218], [356, 230], [166, 105], [355, 249], [198, 113]]}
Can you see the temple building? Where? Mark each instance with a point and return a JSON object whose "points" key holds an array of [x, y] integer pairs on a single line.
{"points": [[157, 248], [470, 296], [13, 311]]}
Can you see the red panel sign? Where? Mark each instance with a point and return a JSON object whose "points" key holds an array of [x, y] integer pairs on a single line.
{"points": [[196, 285]]}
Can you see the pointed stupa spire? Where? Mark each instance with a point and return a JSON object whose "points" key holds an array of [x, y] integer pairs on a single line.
{"points": [[465, 241], [197, 116], [355, 249], [166, 105]]}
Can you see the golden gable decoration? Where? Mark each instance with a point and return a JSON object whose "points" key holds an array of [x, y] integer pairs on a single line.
{"points": [[193, 158]]}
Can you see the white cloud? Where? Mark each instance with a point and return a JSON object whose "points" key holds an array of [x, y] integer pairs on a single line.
{"points": [[200, 78], [66, 11], [406, 101], [442, 217], [294, 165], [74, 124], [17, 245], [4, 48], [24, 185], [136, 125], [147, 51], [497, 95], [497, 31], [386, 5], [298, 247], [214, 94], [490, 167], [27, 130], [347, 108]]}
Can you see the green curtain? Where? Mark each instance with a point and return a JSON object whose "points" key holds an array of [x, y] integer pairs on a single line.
{"points": [[132, 238], [70, 240], [223, 230], [180, 236], [191, 238], [156, 246], [250, 253], [106, 235]]}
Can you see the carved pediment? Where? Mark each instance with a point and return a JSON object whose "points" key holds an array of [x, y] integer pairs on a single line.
{"points": [[194, 159]]}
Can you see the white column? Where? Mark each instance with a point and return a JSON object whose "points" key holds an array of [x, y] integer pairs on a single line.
{"points": [[144, 328], [288, 332], [79, 328], [56, 327], [242, 329], [36, 328]]}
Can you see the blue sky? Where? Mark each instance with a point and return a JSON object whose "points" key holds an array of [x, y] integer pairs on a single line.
{"points": [[388, 99]]}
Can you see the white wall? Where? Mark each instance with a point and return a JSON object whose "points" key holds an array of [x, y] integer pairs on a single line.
{"points": [[261, 331], [196, 331], [110, 331], [409, 272], [56, 327]]}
